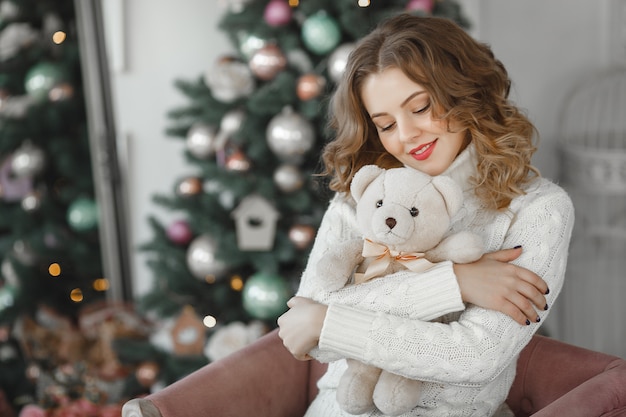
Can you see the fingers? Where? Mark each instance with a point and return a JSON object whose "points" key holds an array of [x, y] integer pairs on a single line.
{"points": [[505, 255]]}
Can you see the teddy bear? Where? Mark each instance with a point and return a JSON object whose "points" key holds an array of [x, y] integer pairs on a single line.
{"points": [[404, 216]]}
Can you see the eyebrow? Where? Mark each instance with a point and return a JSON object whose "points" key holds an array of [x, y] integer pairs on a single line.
{"points": [[404, 103]]}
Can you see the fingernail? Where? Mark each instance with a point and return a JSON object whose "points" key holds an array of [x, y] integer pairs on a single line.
{"points": [[546, 307], [527, 322], [547, 291], [538, 319], [517, 247]]}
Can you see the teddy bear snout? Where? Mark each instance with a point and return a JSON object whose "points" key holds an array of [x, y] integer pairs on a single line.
{"points": [[391, 222]]}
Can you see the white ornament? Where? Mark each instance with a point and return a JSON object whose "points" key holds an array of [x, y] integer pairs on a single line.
{"points": [[290, 136], [201, 259], [338, 60], [28, 160], [201, 140], [288, 178], [230, 80], [255, 220]]}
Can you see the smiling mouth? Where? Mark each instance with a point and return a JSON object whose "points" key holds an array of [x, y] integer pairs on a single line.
{"points": [[422, 152]]}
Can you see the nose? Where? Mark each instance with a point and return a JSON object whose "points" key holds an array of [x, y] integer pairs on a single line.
{"points": [[390, 222], [408, 130]]}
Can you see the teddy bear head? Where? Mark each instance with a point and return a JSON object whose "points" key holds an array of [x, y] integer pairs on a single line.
{"points": [[402, 208]]}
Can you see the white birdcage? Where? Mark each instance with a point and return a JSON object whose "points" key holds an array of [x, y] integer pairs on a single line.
{"points": [[592, 147]]}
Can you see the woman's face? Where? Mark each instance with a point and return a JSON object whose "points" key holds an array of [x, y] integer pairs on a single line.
{"points": [[401, 110]]}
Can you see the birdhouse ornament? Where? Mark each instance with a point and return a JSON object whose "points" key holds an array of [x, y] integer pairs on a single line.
{"points": [[255, 221]]}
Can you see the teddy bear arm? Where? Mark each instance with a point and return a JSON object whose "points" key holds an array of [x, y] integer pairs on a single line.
{"points": [[463, 247], [335, 268]]}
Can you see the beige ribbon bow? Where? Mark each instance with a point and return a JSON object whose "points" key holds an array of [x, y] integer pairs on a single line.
{"points": [[383, 256]]}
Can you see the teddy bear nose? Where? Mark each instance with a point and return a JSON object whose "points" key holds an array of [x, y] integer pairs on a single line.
{"points": [[391, 222]]}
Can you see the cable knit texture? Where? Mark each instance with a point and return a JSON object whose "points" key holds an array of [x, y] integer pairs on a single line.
{"points": [[468, 361]]}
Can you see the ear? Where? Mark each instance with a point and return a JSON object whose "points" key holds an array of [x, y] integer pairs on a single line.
{"points": [[363, 178], [450, 191]]}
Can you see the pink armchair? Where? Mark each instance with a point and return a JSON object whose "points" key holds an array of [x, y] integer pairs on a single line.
{"points": [[264, 380]]}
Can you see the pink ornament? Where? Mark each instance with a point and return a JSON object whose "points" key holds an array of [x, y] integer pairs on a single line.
{"points": [[31, 410], [179, 232], [277, 13], [425, 6]]}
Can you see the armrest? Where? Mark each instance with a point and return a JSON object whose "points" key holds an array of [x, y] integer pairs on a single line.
{"points": [[262, 379], [559, 379]]}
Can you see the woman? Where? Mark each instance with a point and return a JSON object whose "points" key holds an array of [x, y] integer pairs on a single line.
{"points": [[420, 92]]}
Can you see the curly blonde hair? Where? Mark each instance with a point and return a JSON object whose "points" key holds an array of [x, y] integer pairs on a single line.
{"points": [[468, 87]]}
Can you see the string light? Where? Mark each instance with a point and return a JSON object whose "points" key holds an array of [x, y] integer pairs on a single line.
{"points": [[54, 269], [294, 3], [236, 283], [59, 37], [364, 3], [76, 295], [101, 284], [209, 321]]}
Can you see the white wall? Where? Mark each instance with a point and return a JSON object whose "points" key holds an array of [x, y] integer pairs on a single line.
{"points": [[546, 45]]}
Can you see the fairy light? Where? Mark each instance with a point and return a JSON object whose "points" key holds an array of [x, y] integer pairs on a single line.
{"points": [[59, 37], [209, 321], [101, 284], [364, 3], [294, 3], [76, 295], [54, 269], [236, 283]]}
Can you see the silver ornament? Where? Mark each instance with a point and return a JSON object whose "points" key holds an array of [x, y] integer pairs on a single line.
{"points": [[290, 136], [338, 60], [28, 160], [201, 140], [230, 80], [288, 178], [32, 202], [201, 259]]}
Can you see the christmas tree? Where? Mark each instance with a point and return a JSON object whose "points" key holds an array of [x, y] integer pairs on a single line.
{"points": [[50, 256], [249, 209]]}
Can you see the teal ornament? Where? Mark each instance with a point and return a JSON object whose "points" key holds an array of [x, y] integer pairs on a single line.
{"points": [[265, 296], [8, 295], [82, 214], [320, 33], [42, 77]]}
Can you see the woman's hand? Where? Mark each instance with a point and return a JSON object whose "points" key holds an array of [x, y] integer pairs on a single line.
{"points": [[301, 326], [494, 283]]}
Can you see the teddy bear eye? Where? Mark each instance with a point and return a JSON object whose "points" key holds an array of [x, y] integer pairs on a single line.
{"points": [[379, 203], [414, 211]]}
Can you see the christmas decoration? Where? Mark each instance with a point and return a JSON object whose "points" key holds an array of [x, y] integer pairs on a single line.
{"points": [[288, 178], [277, 13], [82, 214], [202, 260], [310, 86], [179, 232], [28, 160], [42, 77], [320, 33], [255, 220], [188, 333], [267, 62], [338, 60], [302, 235], [229, 80], [265, 296], [188, 187], [232, 337], [201, 140], [290, 136], [13, 188]]}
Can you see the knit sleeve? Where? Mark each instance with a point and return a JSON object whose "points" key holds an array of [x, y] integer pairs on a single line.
{"points": [[477, 347], [426, 295]]}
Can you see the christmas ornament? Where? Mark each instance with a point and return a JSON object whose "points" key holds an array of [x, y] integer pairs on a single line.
{"points": [[338, 60], [61, 92], [255, 221], [15, 37], [425, 6], [16, 107], [179, 232], [32, 202], [13, 188], [82, 214], [301, 235], [310, 86], [201, 258], [238, 162], [229, 80], [42, 77], [201, 140], [320, 33], [229, 125], [267, 62], [189, 187], [188, 333], [288, 178], [265, 296], [8, 273], [24, 253], [28, 160], [290, 136], [249, 43], [233, 337], [277, 13], [8, 293], [147, 373]]}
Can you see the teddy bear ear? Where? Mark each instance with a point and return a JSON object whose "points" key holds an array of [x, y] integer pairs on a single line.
{"points": [[451, 192], [363, 178]]}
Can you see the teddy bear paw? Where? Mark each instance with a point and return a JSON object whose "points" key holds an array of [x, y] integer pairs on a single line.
{"points": [[395, 395]]}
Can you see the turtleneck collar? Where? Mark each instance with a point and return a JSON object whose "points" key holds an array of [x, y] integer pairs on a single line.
{"points": [[463, 167]]}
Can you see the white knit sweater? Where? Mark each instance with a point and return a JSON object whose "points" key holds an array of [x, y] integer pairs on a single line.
{"points": [[468, 362]]}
